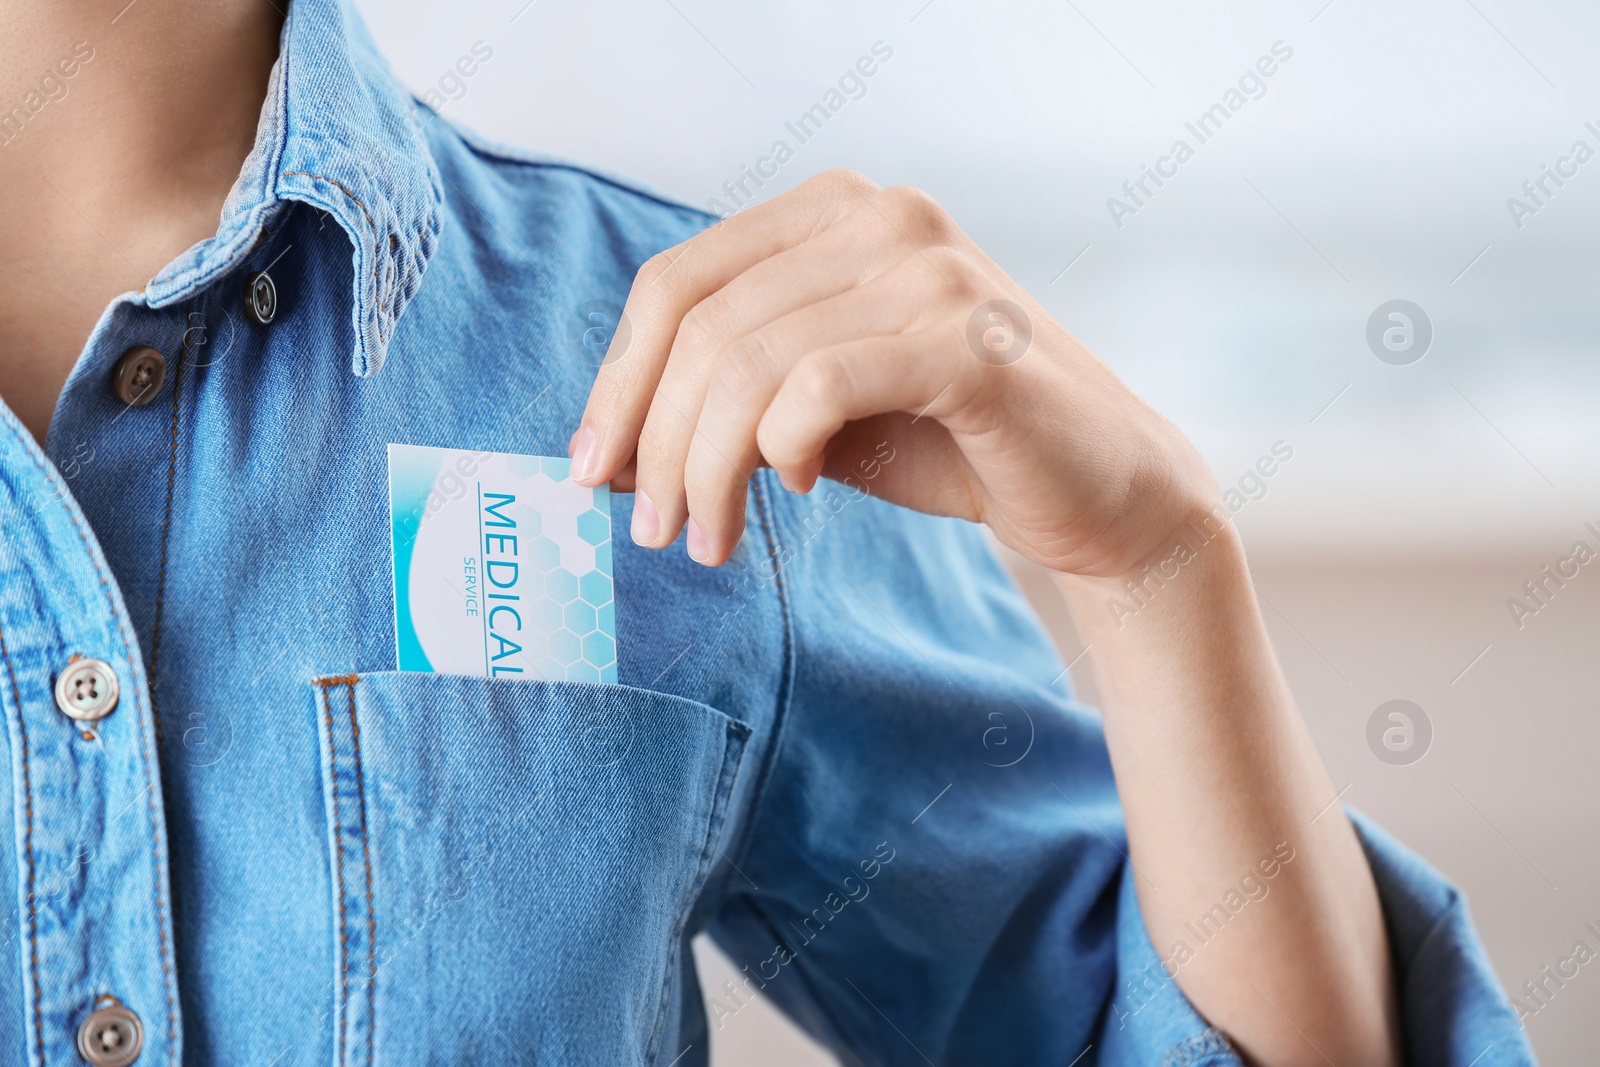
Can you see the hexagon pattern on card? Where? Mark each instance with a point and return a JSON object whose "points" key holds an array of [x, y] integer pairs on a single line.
{"points": [[503, 566]]}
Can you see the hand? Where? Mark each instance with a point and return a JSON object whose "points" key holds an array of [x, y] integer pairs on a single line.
{"points": [[806, 332]]}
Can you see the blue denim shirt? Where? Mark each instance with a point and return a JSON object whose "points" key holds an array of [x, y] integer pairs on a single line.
{"points": [[848, 754]]}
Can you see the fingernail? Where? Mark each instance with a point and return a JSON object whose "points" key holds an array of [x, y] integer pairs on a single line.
{"points": [[646, 522], [584, 455], [699, 551]]}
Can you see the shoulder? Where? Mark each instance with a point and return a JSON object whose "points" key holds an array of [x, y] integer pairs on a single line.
{"points": [[489, 182], [524, 288]]}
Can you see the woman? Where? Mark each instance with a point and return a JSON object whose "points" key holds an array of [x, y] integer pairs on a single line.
{"points": [[242, 836]]}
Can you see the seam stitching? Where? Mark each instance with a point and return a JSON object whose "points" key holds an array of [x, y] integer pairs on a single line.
{"points": [[33, 904], [226, 259], [496, 152], [144, 747], [366, 855], [343, 679], [166, 531], [338, 874], [339, 186], [733, 749], [785, 696], [377, 251]]}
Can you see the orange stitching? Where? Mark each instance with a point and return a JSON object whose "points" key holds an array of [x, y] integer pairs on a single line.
{"points": [[371, 225], [144, 755], [343, 679], [33, 905], [339, 186], [166, 530], [338, 874], [366, 853]]}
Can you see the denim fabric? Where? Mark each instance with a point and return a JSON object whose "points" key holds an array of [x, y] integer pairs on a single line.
{"points": [[849, 754]]}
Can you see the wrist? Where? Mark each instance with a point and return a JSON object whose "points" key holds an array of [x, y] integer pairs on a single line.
{"points": [[1196, 563], [1178, 632]]}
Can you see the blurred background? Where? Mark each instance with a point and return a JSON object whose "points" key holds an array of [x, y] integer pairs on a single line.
{"points": [[1396, 152]]}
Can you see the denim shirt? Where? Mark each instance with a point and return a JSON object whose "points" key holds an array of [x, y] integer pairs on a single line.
{"points": [[849, 754]]}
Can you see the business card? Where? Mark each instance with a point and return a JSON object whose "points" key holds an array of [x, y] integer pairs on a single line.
{"points": [[502, 566]]}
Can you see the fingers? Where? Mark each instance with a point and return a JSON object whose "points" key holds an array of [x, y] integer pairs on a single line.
{"points": [[921, 373], [672, 283], [787, 322], [904, 459], [728, 330], [712, 482]]}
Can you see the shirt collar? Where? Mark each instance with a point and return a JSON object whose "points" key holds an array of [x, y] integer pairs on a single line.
{"points": [[338, 132]]}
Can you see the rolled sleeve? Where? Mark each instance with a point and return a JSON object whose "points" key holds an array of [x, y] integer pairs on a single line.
{"points": [[1452, 1007], [934, 867], [1453, 1010], [1148, 1020]]}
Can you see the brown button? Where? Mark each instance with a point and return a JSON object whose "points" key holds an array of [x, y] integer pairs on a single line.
{"points": [[139, 375], [111, 1036]]}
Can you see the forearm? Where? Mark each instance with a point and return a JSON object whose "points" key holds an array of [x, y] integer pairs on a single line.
{"points": [[1220, 780], [837, 319]]}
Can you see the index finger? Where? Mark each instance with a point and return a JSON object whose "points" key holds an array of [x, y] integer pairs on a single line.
{"points": [[669, 285]]}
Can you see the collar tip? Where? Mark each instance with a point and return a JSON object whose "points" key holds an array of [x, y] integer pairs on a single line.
{"points": [[366, 360]]}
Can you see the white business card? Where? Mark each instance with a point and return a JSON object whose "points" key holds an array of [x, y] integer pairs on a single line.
{"points": [[502, 566]]}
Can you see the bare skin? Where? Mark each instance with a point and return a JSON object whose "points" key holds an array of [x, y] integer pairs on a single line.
{"points": [[805, 330], [799, 335], [122, 173]]}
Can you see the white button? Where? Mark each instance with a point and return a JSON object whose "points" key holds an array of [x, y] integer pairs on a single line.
{"points": [[87, 690], [111, 1036]]}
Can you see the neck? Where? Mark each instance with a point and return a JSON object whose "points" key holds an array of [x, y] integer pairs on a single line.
{"points": [[122, 128]]}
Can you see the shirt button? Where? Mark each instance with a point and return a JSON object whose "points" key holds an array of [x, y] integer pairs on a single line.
{"points": [[111, 1036], [138, 376], [261, 298], [87, 690]]}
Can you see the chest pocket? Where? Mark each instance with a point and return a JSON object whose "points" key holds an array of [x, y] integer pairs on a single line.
{"points": [[513, 863]]}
